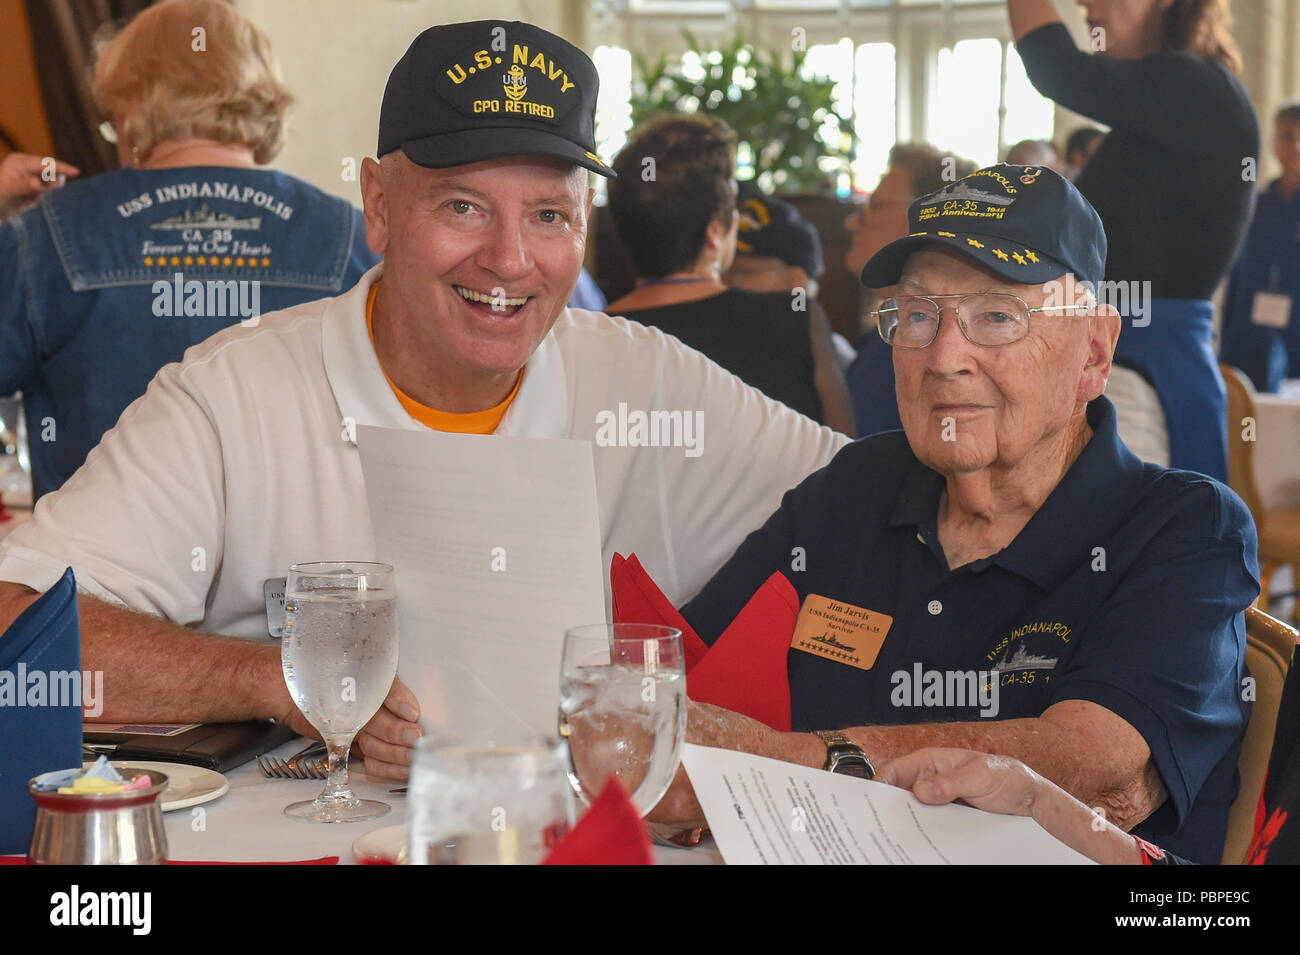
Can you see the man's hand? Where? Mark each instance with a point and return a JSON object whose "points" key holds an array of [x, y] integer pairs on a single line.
{"points": [[386, 741], [1005, 785], [21, 179], [992, 783]]}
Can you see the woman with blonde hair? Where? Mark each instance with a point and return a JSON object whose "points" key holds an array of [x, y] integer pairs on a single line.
{"points": [[105, 280], [1173, 185]]}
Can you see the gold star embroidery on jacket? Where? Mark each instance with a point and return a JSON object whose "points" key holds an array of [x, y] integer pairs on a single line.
{"points": [[1001, 255]]}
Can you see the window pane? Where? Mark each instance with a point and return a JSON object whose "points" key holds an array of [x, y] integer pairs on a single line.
{"points": [[1029, 115], [874, 113], [965, 115], [835, 61], [614, 102]]}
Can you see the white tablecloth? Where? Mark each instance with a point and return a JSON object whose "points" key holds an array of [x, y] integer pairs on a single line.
{"points": [[248, 823]]}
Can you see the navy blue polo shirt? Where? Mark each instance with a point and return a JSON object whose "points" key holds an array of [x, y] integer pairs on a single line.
{"points": [[1126, 588]]}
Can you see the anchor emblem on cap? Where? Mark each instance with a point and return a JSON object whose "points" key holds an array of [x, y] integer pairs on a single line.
{"points": [[1030, 175], [515, 83]]}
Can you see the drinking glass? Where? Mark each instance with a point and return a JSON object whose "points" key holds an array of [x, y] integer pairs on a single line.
{"points": [[489, 801], [623, 708], [339, 653]]}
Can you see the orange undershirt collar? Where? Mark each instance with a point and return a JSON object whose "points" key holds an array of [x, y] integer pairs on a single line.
{"points": [[475, 422]]}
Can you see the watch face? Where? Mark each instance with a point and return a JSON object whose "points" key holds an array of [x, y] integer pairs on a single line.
{"points": [[852, 766]]}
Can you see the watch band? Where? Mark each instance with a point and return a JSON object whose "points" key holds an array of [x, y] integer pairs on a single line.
{"points": [[844, 756]]}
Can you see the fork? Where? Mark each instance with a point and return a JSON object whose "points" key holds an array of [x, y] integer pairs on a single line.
{"points": [[299, 766]]}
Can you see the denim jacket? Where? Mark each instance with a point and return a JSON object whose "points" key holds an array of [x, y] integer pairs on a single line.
{"points": [[109, 278]]}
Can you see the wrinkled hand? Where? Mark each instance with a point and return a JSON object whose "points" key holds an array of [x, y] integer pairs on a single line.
{"points": [[709, 725], [21, 180], [992, 783]]}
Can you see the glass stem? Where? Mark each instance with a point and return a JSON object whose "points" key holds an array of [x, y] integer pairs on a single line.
{"points": [[336, 786]]}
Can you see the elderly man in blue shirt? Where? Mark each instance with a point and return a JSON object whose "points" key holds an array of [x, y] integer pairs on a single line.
{"points": [[1009, 576]]}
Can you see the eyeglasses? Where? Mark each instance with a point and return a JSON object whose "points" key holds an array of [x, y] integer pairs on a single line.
{"points": [[986, 318]]}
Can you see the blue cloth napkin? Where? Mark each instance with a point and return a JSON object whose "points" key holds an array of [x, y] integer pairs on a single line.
{"points": [[37, 736]]}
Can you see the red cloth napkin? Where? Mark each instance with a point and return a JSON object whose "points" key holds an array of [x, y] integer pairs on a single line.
{"points": [[638, 599], [610, 833], [746, 669]]}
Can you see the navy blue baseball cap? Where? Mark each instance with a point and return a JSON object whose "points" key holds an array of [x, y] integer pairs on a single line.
{"points": [[1026, 223], [467, 92], [773, 227]]}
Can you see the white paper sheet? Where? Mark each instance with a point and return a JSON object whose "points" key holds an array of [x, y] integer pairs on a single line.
{"points": [[767, 812], [496, 543]]}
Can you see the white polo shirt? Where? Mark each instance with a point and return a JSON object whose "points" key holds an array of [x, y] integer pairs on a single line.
{"points": [[240, 460]]}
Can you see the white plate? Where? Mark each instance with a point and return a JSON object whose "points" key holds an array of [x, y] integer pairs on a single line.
{"points": [[386, 845], [186, 785]]}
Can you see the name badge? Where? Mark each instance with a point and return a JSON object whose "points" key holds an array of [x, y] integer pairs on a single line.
{"points": [[840, 632], [1271, 310], [273, 593]]}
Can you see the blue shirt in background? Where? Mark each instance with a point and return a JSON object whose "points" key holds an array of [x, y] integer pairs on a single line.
{"points": [[1126, 588], [109, 278], [871, 386], [587, 294], [1269, 262]]}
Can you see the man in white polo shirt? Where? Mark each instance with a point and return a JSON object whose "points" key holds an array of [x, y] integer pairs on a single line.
{"points": [[241, 459]]}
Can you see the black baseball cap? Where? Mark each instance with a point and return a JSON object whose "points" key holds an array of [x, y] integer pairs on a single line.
{"points": [[1026, 223], [466, 92], [773, 227]]}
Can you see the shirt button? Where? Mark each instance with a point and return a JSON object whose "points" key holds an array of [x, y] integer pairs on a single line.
{"points": [[935, 608]]}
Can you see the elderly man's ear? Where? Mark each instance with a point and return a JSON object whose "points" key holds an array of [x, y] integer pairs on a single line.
{"points": [[374, 205], [1104, 324]]}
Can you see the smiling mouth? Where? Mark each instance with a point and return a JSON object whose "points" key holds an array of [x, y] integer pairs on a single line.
{"points": [[500, 304]]}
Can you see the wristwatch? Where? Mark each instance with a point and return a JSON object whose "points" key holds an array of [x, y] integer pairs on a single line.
{"points": [[843, 756]]}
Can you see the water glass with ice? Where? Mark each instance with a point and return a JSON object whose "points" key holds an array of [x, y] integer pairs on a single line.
{"points": [[339, 654], [623, 708]]}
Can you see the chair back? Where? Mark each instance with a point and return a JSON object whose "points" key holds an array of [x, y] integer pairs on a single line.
{"points": [[1270, 644], [1241, 452]]}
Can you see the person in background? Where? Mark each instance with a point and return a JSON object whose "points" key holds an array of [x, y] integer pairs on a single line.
{"points": [[1079, 147], [111, 277], [674, 207], [25, 178], [1261, 310], [1034, 152], [778, 250], [915, 170], [1182, 126], [587, 294]]}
